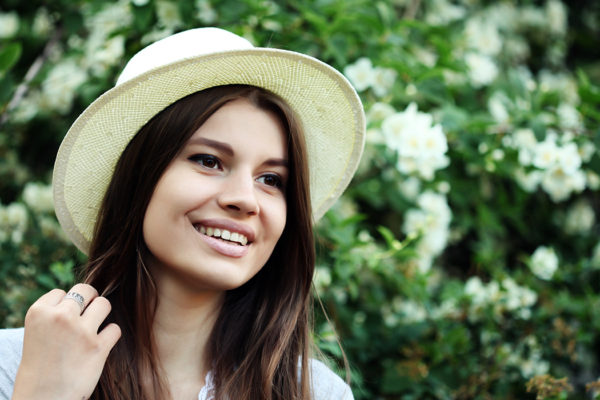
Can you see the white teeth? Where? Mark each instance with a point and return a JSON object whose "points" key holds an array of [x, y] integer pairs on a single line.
{"points": [[223, 234]]}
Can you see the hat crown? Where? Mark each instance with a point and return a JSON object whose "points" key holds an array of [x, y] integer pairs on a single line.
{"points": [[181, 46]]}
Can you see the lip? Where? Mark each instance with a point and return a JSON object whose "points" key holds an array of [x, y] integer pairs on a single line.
{"points": [[231, 226], [223, 247], [228, 249]]}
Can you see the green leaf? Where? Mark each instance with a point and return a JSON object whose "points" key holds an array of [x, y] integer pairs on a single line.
{"points": [[9, 55]]}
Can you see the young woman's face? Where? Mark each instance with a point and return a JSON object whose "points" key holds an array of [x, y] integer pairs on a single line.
{"points": [[219, 208]]}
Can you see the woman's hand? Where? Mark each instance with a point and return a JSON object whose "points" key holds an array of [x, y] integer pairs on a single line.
{"points": [[63, 352]]}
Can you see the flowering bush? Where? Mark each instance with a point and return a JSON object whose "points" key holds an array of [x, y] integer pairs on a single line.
{"points": [[463, 262]]}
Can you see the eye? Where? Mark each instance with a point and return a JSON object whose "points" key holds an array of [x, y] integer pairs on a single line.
{"points": [[273, 180], [207, 161]]}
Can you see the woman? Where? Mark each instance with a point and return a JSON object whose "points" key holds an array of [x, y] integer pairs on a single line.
{"points": [[199, 237]]}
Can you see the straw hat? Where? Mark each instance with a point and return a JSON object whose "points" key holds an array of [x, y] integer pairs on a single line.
{"points": [[327, 106]]}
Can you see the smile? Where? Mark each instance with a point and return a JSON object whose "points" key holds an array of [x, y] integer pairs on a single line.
{"points": [[223, 234]]}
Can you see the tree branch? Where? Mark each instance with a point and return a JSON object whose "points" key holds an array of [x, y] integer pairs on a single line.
{"points": [[33, 70]]}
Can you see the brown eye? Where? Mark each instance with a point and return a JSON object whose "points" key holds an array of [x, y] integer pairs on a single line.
{"points": [[271, 180], [207, 161]]}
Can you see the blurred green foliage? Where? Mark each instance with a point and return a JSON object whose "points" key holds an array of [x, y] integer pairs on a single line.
{"points": [[462, 263]]}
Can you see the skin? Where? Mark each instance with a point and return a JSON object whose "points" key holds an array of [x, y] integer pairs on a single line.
{"points": [[231, 172]]}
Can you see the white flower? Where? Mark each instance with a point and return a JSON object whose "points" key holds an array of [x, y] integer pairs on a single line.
{"points": [[534, 366], [431, 220], [421, 147], [411, 311], [410, 187], [482, 36], [51, 228], [442, 12], [156, 35], [560, 83], [9, 24], [528, 181], [544, 262], [27, 108], [38, 197], [524, 139], [503, 15], [557, 16], [580, 218], [518, 297], [322, 279], [532, 16], [361, 74], [592, 180], [434, 142], [383, 80], [436, 205], [13, 222], [104, 53], [497, 108], [110, 18], [16, 215], [379, 111], [374, 136], [42, 22], [205, 12], [497, 155], [568, 116], [139, 3], [545, 154], [415, 221], [425, 56], [443, 187], [586, 151], [568, 158], [559, 184], [59, 87], [168, 14], [447, 309], [481, 69], [403, 130], [453, 78], [476, 290]]}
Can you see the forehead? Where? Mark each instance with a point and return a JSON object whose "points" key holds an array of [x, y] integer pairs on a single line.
{"points": [[246, 126]]}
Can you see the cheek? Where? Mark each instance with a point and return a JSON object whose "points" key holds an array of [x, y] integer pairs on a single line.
{"points": [[280, 220]]}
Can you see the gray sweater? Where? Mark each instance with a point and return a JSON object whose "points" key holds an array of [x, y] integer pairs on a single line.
{"points": [[326, 385]]}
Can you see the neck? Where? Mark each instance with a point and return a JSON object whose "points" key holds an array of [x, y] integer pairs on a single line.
{"points": [[182, 326]]}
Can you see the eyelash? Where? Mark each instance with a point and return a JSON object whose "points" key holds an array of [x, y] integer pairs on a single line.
{"points": [[278, 181], [202, 159]]}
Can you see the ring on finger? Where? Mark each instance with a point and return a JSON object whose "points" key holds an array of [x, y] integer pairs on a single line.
{"points": [[77, 298]]}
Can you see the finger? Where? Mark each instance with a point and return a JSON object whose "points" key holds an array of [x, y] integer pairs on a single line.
{"points": [[51, 298], [96, 312], [109, 336], [79, 297]]}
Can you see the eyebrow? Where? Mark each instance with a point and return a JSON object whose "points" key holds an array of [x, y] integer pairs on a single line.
{"points": [[224, 147], [227, 149]]}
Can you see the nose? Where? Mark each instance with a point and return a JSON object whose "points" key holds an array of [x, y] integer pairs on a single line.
{"points": [[238, 194]]}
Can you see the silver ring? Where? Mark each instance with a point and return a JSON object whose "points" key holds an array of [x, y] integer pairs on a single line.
{"points": [[77, 298]]}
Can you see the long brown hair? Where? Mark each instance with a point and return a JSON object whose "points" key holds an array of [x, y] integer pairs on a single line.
{"points": [[260, 343]]}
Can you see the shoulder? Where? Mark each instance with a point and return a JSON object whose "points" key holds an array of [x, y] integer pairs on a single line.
{"points": [[326, 385], [11, 347]]}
